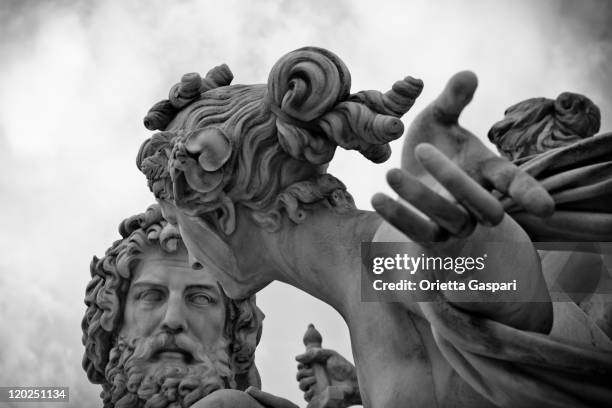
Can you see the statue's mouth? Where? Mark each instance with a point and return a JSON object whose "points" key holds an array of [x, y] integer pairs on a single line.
{"points": [[173, 353]]}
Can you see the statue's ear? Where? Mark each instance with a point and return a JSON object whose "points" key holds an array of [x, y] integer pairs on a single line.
{"points": [[226, 216]]}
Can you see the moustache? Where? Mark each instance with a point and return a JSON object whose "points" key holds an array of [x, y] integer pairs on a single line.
{"points": [[151, 346]]}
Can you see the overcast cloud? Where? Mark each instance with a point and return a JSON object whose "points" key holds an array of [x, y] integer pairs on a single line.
{"points": [[76, 78]]}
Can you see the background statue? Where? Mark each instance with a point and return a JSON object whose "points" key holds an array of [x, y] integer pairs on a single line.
{"points": [[242, 171], [537, 125], [159, 332], [555, 141]]}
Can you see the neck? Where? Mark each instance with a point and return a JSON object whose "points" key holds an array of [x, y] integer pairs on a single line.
{"points": [[322, 256]]}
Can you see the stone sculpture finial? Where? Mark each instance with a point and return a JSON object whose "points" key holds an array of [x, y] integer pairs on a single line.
{"points": [[312, 337]]}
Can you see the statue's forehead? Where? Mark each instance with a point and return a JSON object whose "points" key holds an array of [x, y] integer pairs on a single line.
{"points": [[170, 269]]}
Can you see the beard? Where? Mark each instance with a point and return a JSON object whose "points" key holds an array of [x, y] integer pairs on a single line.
{"points": [[136, 379]]}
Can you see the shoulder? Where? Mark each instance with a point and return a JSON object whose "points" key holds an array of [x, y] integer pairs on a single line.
{"points": [[227, 398]]}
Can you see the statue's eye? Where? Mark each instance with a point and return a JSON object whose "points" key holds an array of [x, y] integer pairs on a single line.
{"points": [[151, 295], [201, 299]]}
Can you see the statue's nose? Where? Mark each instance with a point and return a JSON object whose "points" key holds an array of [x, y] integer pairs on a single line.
{"points": [[174, 319]]}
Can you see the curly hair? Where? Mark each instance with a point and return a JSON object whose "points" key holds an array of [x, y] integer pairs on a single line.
{"points": [[106, 293], [537, 125], [267, 147]]}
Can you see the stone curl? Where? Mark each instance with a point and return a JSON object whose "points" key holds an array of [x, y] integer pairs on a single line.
{"points": [[309, 92]]}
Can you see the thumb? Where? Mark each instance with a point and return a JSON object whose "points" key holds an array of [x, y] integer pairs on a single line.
{"points": [[457, 94], [434, 124]]}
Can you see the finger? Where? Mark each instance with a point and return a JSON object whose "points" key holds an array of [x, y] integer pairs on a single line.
{"points": [[309, 394], [449, 216], [268, 399], [406, 220], [455, 97], [314, 355], [524, 189], [306, 383], [303, 373], [486, 208]]}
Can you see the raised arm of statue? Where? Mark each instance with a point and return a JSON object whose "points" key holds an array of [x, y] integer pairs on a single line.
{"points": [[445, 174]]}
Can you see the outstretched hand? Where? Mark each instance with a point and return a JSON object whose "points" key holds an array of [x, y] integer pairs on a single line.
{"points": [[446, 195], [438, 125], [471, 211], [455, 216]]}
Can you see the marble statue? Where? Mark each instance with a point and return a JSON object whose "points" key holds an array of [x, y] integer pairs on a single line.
{"points": [[328, 379], [241, 170], [538, 125], [158, 333], [556, 142]]}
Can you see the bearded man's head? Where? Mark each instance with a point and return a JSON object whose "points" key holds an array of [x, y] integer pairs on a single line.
{"points": [[158, 331]]}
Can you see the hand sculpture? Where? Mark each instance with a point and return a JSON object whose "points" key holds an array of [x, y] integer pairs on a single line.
{"points": [[449, 179], [340, 372], [438, 125]]}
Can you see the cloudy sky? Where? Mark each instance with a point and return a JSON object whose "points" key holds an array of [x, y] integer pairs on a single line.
{"points": [[76, 78]]}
